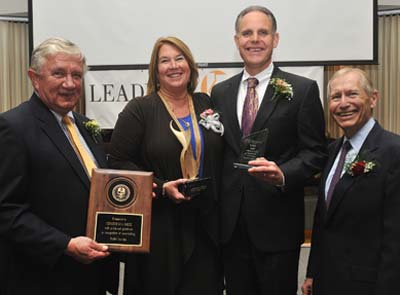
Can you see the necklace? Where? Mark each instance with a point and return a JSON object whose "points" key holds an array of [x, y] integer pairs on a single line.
{"points": [[183, 121]]}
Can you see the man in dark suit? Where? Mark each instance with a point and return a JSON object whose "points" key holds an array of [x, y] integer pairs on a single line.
{"points": [[356, 235], [262, 209], [44, 183]]}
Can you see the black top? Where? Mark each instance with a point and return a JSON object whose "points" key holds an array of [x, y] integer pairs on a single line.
{"points": [[142, 140]]}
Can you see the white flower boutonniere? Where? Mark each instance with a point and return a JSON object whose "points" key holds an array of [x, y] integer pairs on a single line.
{"points": [[281, 87], [93, 127], [209, 119]]}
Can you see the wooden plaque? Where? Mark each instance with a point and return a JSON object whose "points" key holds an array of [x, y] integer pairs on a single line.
{"points": [[119, 213]]}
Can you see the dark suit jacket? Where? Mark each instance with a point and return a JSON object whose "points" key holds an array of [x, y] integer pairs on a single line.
{"points": [[142, 140], [356, 242], [43, 203], [296, 142], [4, 252]]}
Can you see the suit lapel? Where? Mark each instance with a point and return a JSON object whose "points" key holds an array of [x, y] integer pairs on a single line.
{"points": [[344, 183], [331, 159], [51, 128], [231, 120], [268, 105], [347, 181], [96, 148]]}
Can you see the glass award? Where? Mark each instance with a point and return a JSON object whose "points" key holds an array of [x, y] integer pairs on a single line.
{"points": [[251, 147]]}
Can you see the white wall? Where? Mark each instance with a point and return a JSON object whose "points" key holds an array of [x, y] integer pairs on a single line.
{"points": [[21, 6], [389, 2], [124, 34], [13, 6]]}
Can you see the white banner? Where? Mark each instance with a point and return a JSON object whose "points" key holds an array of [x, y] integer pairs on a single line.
{"points": [[107, 92], [123, 32]]}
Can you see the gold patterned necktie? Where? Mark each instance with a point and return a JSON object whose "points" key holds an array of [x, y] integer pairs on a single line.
{"points": [[250, 106], [78, 146]]}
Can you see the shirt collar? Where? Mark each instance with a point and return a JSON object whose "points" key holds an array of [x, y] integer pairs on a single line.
{"points": [[262, 76], [358, 139], [59, 117]]}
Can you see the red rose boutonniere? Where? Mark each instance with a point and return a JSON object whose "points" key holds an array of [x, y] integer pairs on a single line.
{"points": [[359, 167]]}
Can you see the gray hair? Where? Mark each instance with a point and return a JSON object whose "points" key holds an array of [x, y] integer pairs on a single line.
{"points": [[53, 46], [252, 8], [365, 82]]}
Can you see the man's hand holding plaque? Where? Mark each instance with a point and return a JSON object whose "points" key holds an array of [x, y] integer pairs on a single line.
{"points": [[251, 147]]}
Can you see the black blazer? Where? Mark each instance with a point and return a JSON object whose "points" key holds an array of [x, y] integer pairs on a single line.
{"points": [[296, 142], [142, 140], [43, 203], [356, 242]]}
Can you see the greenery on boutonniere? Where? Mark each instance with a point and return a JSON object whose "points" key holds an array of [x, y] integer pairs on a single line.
{"points": [[210, 119], [359, 167], [281, 88], [94, 128]]}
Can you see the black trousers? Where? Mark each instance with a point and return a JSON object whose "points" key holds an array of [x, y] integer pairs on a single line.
{"points": [[200, 275], [249, 271]]}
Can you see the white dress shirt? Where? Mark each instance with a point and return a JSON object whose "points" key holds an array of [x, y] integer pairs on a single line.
{"points": [[263, 81]]}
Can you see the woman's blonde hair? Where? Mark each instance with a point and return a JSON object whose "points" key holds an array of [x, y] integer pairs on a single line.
{"points": [[153, 84]]}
